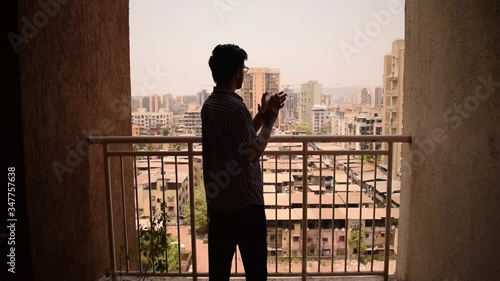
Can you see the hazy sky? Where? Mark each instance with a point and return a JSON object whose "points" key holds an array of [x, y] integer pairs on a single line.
{"points": [[304, 39]]}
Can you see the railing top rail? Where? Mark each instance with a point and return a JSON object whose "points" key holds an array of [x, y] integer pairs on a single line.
{"points": [[301, 138]]}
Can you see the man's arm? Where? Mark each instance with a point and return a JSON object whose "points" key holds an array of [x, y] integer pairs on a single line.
{"points": [[269, 116], [263, 138], [258, 121]]}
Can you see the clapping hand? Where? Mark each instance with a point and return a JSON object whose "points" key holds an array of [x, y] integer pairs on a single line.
{"points": [[270, 108]]}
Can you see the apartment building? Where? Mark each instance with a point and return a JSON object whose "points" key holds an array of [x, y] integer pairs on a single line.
{"points": [[393, 99], [257, 81], [146, 119], [191, 120], [310, 95], [377, 97], [290, 110], [363, 125], [166, 102], [136, 103], [167, 187], [150, 103], [364, 97], [202, 96], [320, 120], [327, 233]]}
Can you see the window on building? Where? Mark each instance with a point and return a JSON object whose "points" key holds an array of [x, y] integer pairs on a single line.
{"points": [[296, 239], [325, 239], [341, 238]]}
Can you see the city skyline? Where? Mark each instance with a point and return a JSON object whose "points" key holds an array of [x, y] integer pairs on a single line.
{"points": [[264, 29]]}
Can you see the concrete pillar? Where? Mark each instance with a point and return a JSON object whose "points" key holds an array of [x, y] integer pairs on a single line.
{"points": [[451, 202], [75, 76]]}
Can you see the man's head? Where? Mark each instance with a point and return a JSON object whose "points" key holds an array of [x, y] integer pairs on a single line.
{"points": [[228, 65]]}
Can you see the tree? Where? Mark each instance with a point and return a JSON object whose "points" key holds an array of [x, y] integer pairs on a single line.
{"points": [[326, 129], [200, 210], [303, 127], [150, 147], [354, 242], [157, 250], [165, 131], [177, 146]]}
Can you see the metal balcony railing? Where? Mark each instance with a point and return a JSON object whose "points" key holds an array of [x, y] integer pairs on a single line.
{"points": [[320, 200]]}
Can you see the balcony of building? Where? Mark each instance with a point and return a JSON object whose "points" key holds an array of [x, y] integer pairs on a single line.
{"points": [[71, 80], [292, 211]]}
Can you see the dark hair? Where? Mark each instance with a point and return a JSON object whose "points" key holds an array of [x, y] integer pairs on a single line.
{"points": [[225, 61]]}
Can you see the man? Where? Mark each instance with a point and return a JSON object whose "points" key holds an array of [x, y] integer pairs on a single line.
{"points": [[232, 175]]}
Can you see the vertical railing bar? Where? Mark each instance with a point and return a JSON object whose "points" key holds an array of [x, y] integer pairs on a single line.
{"points": [[360, 210], [163, 207], [194, 256], [236, 260], [333, 209], [111, 226], [320, 202], [290, 213], [150, 205], [374, 206], [276, 209], [124, 215], [177, 214], [304, 210], [347, 214], [388, 212], [139, 229]]}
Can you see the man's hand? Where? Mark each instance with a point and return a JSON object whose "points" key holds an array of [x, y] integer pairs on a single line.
{"points": [[273, 106], [264, 100]]}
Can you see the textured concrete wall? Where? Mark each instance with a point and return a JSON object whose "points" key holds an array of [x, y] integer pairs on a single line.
{"points": [[75, 76], [453, 222]]}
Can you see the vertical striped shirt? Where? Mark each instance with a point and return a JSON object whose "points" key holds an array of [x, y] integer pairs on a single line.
{"points": [[231, 181]]}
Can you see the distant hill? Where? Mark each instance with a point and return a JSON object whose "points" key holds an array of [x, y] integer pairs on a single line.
{"points": [[348, 94]]}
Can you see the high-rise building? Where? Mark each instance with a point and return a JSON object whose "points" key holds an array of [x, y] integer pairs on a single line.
{"points": [[146, 119], [320, 118], [392, 112], [188, 100], [145, 103], [377, 97], [191, 120], [202, 96], [290, 110], [310, 95], [154, 103], [257, 81], [136, 103], [166, 102], [326, 99], [364, 97]]}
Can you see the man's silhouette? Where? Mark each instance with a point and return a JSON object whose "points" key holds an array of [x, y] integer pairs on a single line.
{"points": [[232, 175]]}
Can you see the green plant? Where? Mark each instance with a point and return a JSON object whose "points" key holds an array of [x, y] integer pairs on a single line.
{"points": [[157, 252], [354, 241], [177, 146], [165, 131], [200, 209]]}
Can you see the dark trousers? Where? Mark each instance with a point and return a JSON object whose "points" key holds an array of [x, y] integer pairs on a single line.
{"points": [[246, 228]]}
